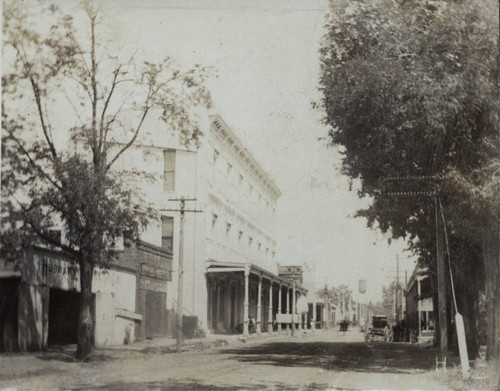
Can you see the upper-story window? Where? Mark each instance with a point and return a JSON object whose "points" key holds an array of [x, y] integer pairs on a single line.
{"points": [[240, 235], [273, 254], [216, 155], [229, 168], [214, 220], [167, 232], [250, 240], [267, 252], [228, 228], [169, 170], [259, 246]]}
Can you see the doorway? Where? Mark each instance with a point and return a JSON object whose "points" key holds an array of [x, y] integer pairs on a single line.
{"points": [[63, 316]]}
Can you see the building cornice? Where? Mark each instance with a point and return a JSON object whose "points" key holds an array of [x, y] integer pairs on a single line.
{"points": [[224, 132]]}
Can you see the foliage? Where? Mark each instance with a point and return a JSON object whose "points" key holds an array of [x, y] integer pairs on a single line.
{"points": [[337, 295], [69, 114], [410, 90]]}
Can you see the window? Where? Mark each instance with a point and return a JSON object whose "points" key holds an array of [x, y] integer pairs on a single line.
{"points": [[267, 252], [228, 228], [240, 235], [250, 189], [169, 170], [250, 240], [260, 197], [229, 168], [216, 155], [54, 235], [240, 181], [258, 247], [167, 232], [214, 220]]}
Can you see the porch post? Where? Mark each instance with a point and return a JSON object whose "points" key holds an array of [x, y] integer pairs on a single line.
{"points": [[270, 320], [288, 305], [279, 306], [218, 309], [313, 320], [259, 306], [303, 317], [419, 288], [246, 303]]}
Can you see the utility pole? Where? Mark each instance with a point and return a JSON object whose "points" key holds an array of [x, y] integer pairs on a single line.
{"points": [[397, 290], [415, 185], [293, 308], [180, 269], [441, 280]]}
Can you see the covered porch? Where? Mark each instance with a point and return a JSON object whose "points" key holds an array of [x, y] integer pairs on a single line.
{"points": [[245, 298]]}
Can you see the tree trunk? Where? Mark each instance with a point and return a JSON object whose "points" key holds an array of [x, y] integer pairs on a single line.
{"points": [[491, 267], [85, 321]]}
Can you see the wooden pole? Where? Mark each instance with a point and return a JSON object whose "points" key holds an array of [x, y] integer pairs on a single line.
{"points": [[441, 280], [180, 285]]}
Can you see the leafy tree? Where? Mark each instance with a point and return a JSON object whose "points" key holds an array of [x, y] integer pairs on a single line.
{"points": [[339, 295], [54, 169], [410, 89]]}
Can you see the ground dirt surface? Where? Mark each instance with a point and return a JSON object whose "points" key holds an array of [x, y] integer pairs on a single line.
{"points": [[323, 360]]}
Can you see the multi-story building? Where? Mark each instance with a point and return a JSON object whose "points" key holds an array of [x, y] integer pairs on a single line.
{"points": [[229, 250]]}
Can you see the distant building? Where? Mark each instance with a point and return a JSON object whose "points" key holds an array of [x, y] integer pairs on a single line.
{"points": [[320, 314], [420, 320]]}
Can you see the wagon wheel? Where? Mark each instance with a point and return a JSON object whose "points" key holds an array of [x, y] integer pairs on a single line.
{"points": [[388, 335], [369, 338]]}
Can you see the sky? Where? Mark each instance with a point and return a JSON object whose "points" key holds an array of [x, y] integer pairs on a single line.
{"points": [[265, 54]]}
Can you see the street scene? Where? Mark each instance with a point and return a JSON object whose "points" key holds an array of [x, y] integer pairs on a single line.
{"points": [[236, 194], [321, 360]]}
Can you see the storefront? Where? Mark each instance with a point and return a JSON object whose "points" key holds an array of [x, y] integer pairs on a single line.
{"points": [[43, 299], [244, 298]]}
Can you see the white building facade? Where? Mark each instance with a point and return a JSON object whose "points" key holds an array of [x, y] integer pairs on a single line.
{"points": [[230, 280]]}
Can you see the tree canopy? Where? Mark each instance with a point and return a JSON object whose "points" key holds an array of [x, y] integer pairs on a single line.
{"points": [[71, 108], [410, 90]]}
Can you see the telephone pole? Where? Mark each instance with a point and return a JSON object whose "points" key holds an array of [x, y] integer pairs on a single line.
{"points": [[420, 186], [180, 269]]}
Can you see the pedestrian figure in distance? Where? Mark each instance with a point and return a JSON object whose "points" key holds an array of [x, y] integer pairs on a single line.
{"points": [[251, 324], [344, 325]]}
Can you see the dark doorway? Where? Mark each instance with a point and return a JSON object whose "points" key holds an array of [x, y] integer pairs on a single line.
{"points": [[63, 316], [8, 314], [155, 314]]}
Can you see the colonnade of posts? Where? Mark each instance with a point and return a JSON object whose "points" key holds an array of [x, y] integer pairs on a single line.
{"points": [[258, 321]]}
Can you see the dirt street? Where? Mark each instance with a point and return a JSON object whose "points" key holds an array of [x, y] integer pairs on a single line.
{"points": [[320, 360]]}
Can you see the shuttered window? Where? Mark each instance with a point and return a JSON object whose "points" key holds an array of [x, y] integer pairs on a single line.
{"points": [[169, 170], [167, 232]]}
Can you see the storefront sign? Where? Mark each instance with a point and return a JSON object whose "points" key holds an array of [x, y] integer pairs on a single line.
{"points": [[425, 304], [148, 271], [154, 272], [45, 268], [153, 284], [284, 318]]}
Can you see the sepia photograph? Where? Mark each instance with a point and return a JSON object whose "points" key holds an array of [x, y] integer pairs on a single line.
{"points": [[250, 195]]}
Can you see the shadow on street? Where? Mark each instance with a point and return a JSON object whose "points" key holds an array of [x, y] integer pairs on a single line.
{"points": [[168, 385], [358, 357]]}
